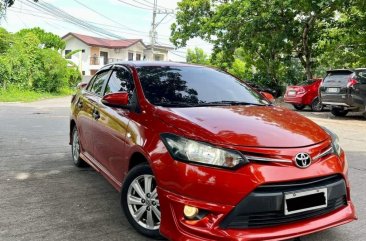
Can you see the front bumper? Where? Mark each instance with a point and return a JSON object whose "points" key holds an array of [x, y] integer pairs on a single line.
{"points": [[220, 193], [175, 227]]}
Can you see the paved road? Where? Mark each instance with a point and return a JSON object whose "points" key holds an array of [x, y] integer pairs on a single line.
{"points": [[44, 197]]}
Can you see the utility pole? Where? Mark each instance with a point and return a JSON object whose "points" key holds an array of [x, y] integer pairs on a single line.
{"points": [[154, 25], [153, 29]]}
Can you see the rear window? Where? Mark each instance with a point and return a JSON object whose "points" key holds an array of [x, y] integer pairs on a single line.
{"points": [[338, 77], [307, 82]]}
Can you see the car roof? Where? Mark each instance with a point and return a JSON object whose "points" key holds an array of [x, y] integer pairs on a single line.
{"points": [[345, 70], [154, 63]]}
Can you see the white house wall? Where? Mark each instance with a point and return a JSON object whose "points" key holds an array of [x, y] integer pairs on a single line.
{"points": [[74, 44]]}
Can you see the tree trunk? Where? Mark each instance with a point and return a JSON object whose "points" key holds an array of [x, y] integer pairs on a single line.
{"points": [[305, 55]]}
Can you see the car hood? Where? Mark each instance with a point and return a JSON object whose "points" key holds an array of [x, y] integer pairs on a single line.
{"points": [[254, 126]]}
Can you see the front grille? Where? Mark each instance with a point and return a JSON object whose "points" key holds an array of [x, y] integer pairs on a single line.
{"points": [[278, 218], [264, 207]]}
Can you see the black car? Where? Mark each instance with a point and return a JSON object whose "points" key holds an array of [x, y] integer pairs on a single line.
{"points": [[261, 88], [344, 90]]}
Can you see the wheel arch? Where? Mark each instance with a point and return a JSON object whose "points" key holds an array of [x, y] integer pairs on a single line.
{"points": [[137, 158], [72, 125]]}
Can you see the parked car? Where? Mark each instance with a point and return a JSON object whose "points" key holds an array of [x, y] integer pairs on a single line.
{"points": [[344, 90], [261, 88], [199, 155], [304, 94]]}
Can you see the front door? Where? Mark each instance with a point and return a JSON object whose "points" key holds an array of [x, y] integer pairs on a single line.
{"points": [[110, 135], [86, 105], [105, 56]]}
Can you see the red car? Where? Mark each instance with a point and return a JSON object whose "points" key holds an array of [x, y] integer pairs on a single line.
{"points": [[199, 155], [304, 94]]}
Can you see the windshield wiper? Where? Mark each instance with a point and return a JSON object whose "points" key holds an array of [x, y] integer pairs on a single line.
{"points": [[230, 102]]}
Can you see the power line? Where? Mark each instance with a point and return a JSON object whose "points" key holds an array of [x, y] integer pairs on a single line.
{"points": [[152, 4], [134, 5], [51, 9], [106, 17], [109, 27]]}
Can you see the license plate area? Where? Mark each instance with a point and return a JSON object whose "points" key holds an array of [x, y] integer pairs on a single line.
{"points": [[302, 201], [291, 93], [333, 90]]}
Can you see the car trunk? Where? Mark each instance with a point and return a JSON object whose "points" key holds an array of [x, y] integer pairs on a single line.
{"points": [[337, 79], [334, 87]]}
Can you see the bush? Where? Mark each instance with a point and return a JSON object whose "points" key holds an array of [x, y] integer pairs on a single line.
{"points": [[32, 61]]}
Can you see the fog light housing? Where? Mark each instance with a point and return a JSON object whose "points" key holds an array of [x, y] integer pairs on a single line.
{"points": [[190, 212]]}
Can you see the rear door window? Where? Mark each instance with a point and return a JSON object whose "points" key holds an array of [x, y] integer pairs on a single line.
{"points": [[338, 77]]}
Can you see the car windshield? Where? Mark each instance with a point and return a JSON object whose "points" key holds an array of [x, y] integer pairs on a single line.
{"points": [[194, 86]]}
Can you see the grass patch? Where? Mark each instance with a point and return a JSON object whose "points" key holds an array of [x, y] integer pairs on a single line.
{"points": [[13, 94]]}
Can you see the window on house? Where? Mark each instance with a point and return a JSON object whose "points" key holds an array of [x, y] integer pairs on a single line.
{"points": [[67, 51], [138, 57], [83, 50], [130, 56], [83, 72]]}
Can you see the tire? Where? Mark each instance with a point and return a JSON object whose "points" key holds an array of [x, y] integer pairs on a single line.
{"points": [[316, 105], [339, 112], [299, 107], [139, 202], [75, 149]]}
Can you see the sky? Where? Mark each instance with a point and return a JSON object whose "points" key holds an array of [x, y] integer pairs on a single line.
{"points": [[125, 18]]}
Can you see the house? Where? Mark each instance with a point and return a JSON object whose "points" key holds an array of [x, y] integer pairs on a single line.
{"points": [[96, 52], [160, 52]]}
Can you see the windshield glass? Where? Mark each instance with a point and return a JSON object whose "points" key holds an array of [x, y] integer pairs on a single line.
{"points": [[193, 86]]}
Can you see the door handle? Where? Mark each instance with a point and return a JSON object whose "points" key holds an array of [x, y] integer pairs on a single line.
{"points": [[96, 114]]}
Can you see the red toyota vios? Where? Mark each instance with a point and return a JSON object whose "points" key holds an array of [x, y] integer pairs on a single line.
{"points": [[199, 155]]}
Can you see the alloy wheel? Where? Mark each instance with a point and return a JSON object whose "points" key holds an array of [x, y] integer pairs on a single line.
{"points": [[75, 147], [143, 202]]}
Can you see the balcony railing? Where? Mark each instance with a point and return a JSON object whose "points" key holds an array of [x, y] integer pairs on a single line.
{"points": [[101, 61]]}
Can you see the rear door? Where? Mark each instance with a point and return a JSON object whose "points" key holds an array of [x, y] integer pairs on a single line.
{"points": [[86, 116], [111, 131]]}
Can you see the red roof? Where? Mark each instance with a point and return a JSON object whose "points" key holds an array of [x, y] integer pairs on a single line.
{"points": [[106, 43]]}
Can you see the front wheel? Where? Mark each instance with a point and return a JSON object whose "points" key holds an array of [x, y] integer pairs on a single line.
{"points": [[316, 105], [140, 202], [299, 107], [339, 112]]}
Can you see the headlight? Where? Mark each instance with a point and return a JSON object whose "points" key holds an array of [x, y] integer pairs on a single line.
{"points": [[186, 150], [335, 141]]}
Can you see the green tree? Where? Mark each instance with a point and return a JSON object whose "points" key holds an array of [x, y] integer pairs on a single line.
{"points": [[47, 39], [30, 59], [197, 56], [271, 33]]}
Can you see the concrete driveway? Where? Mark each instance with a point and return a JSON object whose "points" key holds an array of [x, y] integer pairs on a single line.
{"points": [[44, 197]]}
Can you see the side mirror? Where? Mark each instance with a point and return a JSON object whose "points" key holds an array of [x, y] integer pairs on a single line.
{"points": [[119, 99], [82, 85], [268, 96]]}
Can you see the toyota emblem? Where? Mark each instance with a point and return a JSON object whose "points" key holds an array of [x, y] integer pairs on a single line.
{"points": [[302, 160]]}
